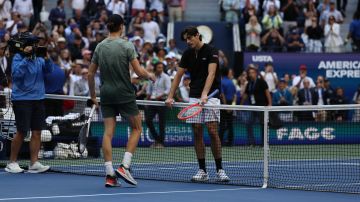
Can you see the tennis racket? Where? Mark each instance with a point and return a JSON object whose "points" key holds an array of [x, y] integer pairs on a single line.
{"points": [[84, 132], [194, 109]]}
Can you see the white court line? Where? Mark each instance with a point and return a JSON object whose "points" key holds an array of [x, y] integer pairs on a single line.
{"points": [[117, 194]]}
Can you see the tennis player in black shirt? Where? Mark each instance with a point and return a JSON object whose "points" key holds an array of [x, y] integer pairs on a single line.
{"points": [[202, 62]]}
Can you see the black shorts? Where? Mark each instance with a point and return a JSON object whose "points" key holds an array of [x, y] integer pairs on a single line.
{"points": [[125, 109], [29, 115]]}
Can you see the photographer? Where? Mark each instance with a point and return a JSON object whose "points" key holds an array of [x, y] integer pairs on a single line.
{"points": [[28, 93]]}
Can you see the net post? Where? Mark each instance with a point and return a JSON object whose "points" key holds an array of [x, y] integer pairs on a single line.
{"points": [[266, 148]]}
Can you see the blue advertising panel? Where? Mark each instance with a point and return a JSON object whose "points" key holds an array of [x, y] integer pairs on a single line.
{"points": [[180, 134], [343, 70]]}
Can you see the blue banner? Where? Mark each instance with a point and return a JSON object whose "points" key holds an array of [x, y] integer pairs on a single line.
{"points": [[180, 134], [342, 70]]}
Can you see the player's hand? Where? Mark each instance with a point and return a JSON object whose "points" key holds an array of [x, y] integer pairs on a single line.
{"points": [[95, 102], [152, 77], [203, 99], [169, 102]]}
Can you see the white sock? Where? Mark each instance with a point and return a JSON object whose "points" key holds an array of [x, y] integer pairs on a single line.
{"points": [[127, 159], [109, 168]]}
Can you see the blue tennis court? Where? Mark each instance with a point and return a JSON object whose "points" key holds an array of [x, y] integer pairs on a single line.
{"points": [[65, 187]]}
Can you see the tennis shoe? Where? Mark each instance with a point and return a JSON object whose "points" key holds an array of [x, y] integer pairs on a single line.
{"points": [[13, 167], [37, 167], [124, 173], [111, 181], [221, 176], [201, 176]]}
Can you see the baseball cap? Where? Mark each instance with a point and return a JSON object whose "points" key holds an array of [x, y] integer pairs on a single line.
{"points": [[170, 55], [303, 67], [282, 80], [61, 39]]}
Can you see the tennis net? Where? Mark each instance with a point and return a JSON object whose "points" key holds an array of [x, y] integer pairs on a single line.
{"points": [[312, 147]]}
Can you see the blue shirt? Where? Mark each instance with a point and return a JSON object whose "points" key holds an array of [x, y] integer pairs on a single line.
{"points": [[282, 93], [355, 29], [28, 77], [228, 89], [55, 80]]}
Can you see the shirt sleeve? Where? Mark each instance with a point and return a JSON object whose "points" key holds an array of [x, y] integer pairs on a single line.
{"points": [[214, 56], [95, 58], [131, 52]]}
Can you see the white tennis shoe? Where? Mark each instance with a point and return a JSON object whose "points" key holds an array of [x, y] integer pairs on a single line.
{"points": [[221, 176], [201, 176], [13, 167], [37, 167]]}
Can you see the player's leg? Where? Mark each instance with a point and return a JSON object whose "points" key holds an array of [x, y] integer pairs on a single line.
{"points": [[201, 175], [131, 112], [162, 123], [150, 113]]}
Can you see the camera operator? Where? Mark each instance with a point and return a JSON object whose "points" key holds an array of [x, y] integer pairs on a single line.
{"points": [[28, 93]]}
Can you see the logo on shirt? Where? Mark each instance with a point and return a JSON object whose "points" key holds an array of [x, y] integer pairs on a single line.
{"points": [[215, 56], [203, 58]]}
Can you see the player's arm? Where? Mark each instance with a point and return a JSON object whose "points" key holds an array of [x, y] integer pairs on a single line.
{"points": [[140, 70], [91, 81], [209, 81], [268, 97], [175, 83]]}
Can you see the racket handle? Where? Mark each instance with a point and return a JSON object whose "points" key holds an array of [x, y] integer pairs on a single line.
{"points": [[213, 93], [92, 111]]}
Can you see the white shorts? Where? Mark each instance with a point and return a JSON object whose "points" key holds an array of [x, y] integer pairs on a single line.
{"points": [[206, 115]]}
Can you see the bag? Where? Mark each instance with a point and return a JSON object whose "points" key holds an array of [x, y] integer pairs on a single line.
{"points": [[70, 128]]}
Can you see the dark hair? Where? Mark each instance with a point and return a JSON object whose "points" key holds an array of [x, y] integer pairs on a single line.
{"points": [[114, 23], [59, 2], [190, 31], [157, 64], [224, 71]]}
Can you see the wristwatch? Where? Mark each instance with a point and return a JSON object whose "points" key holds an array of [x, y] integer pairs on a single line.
{"points": [[206, 33]]}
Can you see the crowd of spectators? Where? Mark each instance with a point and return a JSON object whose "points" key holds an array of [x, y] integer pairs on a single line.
{"points": [[292, 25], [271, 25]]}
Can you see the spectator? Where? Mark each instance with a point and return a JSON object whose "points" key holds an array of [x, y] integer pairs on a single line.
{"points": [[331, 12], [136, 24], [171, 65], [77, 5], [341, 6], [117, 7], [75, 75], [139, 87], [253, 30], [12, 25], [228, 97], [76, 47], [283, 97], [315, 34], [65, 60], [151, 29], [291, 14], [157, 91], [257, 93], [231, 8], [329, 91], [354, 31], [287, 81], [158, 5], [272, 41], [340, 99], [223, 61], [333, 41], [93, 8], [310, 12], [185, 88], [172, 47], [138, 43], [248, 12], [57, 15], [324, 6], [272, 20], [86, 54], [267, 4], [270, 77], [138, 6], [175, 8], [5, 10], [5, 65], [54, 83], [81, 86], [25, 9], [155, 17], [99, 36], [298, 81], [294, 41], [319, 89], [307, 96], [356, 100]]}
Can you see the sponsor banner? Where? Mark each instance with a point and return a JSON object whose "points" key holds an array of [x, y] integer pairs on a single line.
{"points": [[180, 134], [343, 70]]}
